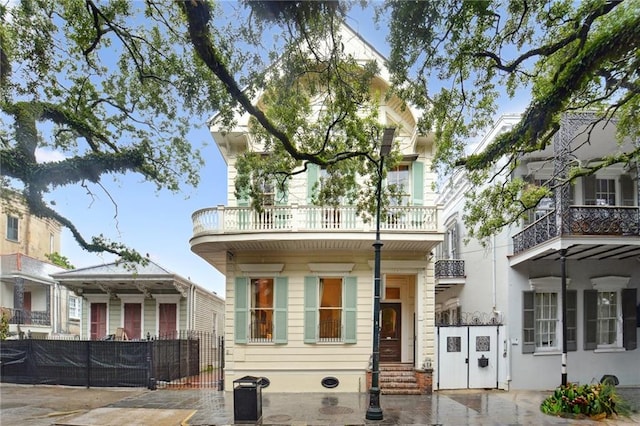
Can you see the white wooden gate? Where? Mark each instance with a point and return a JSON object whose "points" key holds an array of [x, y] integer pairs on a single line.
{"points": [[469, 356]]}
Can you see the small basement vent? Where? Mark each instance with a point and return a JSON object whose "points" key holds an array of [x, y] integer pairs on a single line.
{"points": [[330, 382]]}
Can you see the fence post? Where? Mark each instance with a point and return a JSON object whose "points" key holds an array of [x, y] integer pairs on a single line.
{"points": [[88, 364], [151, 380], [221, 363]]}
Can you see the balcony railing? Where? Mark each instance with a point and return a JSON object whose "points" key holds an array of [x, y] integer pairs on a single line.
{"points": [[224, 219], [581, 220], [26, 317], [449, 268]]}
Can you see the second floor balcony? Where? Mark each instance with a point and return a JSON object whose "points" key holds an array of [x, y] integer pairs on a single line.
{"points": [[580, 221], [27, 317], [292, 218], [448, 273], [221, 232], [449, 268]]}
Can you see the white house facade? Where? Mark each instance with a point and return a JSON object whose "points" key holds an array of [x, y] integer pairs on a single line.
{"points": [[300, 277], [586, 234]]}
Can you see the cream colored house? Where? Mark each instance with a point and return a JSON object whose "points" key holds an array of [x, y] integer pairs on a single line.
{"points": [[300, 277]]}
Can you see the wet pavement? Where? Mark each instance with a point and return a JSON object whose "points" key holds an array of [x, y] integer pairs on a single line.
{"points": [[45, 405]]}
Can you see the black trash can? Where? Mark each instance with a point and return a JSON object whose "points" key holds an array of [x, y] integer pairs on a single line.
{"points": [[247, 399]]}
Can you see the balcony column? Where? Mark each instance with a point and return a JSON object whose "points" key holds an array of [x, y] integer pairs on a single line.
{"points": [[47, 304], [18, 299], [561, 151]]}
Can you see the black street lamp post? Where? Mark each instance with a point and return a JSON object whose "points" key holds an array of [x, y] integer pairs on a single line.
{"points": [[374, 412]]}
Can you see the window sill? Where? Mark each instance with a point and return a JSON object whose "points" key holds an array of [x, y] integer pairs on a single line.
{"points": [[546, 353], [608, 350]]}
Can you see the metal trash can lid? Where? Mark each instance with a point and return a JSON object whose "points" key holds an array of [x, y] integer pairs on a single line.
{"points": [[248, 381]]}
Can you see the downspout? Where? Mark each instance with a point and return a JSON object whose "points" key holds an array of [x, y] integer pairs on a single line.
{"points": [[493, 275], [191, 308], [56, 309]]}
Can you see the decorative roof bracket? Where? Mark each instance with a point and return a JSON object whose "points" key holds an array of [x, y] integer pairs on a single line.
{"points": [[144, 290]]}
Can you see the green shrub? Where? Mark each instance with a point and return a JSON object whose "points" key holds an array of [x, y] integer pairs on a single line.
{"points": [[594, 400]]}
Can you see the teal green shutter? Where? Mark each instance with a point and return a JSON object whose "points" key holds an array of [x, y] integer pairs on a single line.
{"points": [[528, 322], [244, 214], [280, 310], [350, 309], [313, 171], [417, 182], [313, 174], [310, 309], [282, 194], [241, 309]]}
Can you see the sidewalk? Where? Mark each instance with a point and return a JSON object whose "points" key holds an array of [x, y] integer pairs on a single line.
{"points": [[48, 405]]}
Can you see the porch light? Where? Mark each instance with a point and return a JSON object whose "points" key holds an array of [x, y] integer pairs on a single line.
{"points": [[374, 412]]}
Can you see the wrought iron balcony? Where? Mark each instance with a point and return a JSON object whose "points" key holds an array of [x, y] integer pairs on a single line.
{"points": [[449, 268], [26, 317], [580, 220], [294, 217]]}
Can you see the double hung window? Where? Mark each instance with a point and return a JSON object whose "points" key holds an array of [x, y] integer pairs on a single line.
{"points": [[260, 312], [546, 320], [541, 325], [610, 314], [75, 307], [261, 326], [330, 309], [12, 228], [399, 182]]}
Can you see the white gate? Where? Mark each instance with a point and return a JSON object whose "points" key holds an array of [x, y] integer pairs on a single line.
{"points": [[469, 356]]}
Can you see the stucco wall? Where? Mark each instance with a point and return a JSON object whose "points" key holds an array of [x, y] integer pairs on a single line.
{"points": [[537, 371]]}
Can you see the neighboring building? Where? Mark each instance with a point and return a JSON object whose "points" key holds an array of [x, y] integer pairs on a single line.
{"points": [[147, 301], [32, 300], [299, 277], [515, 280], [27, 234]]}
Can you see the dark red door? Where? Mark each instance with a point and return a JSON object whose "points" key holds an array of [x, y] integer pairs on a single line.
{"points": [[26, 307], [133, 320], [390, 338], [98, 320], [167, 320]]}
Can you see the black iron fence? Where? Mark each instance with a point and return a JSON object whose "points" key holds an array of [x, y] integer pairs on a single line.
{"points": [[193, 359]]}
